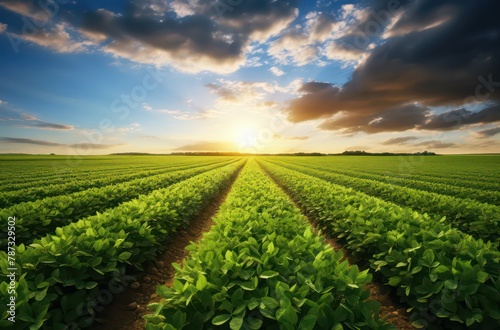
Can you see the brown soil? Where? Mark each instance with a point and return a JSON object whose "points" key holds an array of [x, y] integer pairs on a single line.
{"points": [[128, 307], [390, 308]]}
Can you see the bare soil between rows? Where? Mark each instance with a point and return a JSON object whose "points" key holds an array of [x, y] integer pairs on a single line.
{"points": [[390, 307], [128, 308]]}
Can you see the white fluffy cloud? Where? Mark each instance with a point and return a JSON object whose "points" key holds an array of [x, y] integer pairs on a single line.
{"points": [[277, 71]]}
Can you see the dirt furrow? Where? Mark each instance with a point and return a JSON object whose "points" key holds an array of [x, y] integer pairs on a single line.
{"points": [[128, 307], [390, 308]]}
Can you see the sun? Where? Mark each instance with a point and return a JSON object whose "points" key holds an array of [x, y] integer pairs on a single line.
{"points": [[246, 137]]}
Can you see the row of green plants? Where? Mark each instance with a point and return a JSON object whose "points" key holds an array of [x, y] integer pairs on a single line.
{"points": [[38, 175], [472, 172], [38, 172], [63, 275], [483, 196], [479, 183], [23, 183], [41, 217], [479, 219], [449, 279], [9, 198], [261, 267]]}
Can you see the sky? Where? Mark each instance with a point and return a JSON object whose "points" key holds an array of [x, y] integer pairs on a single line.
{"points": [[263, 76]]}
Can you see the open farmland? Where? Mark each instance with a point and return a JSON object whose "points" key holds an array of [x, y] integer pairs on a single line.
{"points": [[262, 242]]}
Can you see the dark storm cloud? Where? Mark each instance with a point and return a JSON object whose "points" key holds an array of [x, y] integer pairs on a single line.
{"points": [[202, 38], [440, 53], [489, 132], [317, 102], [192, 36], [457, 118], [396, 119], [249, 17], [399, 140]]}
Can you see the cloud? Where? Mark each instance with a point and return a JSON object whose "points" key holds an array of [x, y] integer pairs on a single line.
{"points": [[134, 127], [434, 144], [209, 146], [294, 47], [223, 92], [196, 39], [181, 115], [277, 71], [457, 118], [297, 138], [248, 96], [427, 63], [54, 144], [189, 35], [396, 119], [34, 122], [57, 38], [25, 120], [399, 140], [30, 141], [3, 27], [487, 133], [90, 146], [45, 125], [28, 117], [301, 44], [319, 100], [26, 8], [259, 19], [337, 51], [356, 148], [323, 36]]}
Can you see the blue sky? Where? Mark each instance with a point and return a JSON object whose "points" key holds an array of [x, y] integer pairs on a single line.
{"points": [[263, 76]]}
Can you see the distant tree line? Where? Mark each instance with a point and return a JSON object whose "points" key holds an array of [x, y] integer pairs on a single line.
{"points": [[364, 153], [346, 153]]}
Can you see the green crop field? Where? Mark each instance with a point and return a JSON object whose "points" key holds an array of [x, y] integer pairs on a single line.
{"points": [[250, 242]]}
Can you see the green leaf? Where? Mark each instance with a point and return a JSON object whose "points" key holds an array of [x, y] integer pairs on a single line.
{"points": [[418, 324], [287, 314], [178, 320], [394, 281], [482, 276], [221, 319], [237, 321], [308, 322], [201, 283], [270, 247], [254, 323], [451, 285], [269, 274], [124, 256]]}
